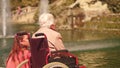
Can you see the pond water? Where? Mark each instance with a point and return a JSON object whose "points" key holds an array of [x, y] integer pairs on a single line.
{"points": [[100, 58], [95, 49]]}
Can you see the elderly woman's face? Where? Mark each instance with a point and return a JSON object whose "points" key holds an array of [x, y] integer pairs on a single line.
{"points": [[25, 41]]}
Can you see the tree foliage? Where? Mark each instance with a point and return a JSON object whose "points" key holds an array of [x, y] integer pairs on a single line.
{"points": [[113, 5]]}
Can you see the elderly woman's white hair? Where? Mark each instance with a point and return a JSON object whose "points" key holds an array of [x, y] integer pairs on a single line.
{"points": [[46, 20]]}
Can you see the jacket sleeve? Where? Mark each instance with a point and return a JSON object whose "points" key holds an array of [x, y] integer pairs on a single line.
{"points": [[59, 43]]}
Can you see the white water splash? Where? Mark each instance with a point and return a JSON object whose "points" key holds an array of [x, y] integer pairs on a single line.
{"points": [[44, 6], [6, 18]]}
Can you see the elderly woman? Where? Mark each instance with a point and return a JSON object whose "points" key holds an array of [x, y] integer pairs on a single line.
{"points": [[20, 51], [47, 26]]}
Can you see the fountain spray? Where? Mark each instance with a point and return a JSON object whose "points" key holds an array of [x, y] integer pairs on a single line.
{"points": [[44, 7], [4, 17]]}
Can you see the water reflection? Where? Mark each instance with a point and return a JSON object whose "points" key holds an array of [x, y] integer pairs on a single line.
{"points": [[5, 46], [93, 59], [88, 40], [86, 45], [78, 35], [4, 43], [104, 58]]}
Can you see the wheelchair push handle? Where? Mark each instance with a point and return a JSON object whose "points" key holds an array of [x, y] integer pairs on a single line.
{"points": [[40, 35]]}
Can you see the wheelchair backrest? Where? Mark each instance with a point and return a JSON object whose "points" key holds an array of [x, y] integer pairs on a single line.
{"points": [[39, 50]]}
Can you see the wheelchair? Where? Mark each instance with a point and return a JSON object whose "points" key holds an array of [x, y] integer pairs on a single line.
{"points": [[41, 57]]}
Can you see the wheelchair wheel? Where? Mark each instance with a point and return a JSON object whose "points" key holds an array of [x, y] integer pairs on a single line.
{"points": [[55, 65], [22, 63]]}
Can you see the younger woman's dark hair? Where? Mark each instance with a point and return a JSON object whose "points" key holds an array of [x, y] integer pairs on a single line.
{"points": [[21, 33]]}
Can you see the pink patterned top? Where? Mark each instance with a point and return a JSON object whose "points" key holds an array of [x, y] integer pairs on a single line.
{"points": [[18, 59]]}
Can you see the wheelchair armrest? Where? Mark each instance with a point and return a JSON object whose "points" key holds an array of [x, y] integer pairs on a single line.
{"points": [[65, 50]]}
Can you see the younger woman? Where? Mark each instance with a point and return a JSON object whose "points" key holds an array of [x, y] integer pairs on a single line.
{"points": [[20, 51]]}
